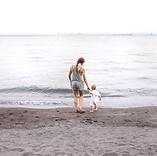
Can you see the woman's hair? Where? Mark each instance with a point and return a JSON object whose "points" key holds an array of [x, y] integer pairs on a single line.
{"points": [[80, 60]]}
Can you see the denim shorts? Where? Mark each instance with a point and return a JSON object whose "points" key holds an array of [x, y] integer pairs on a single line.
{"points": [[76, 85]]}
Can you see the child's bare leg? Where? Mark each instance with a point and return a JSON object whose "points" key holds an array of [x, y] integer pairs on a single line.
{"points": [[91, 109], [95, 107]]}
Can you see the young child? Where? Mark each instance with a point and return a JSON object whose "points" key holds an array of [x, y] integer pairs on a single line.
{"points": [[95, 97]]}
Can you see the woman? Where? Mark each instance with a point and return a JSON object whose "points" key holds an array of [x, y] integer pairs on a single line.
{"points": [[77, 82]]}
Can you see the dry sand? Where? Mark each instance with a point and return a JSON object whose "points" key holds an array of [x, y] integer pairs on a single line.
{"points": [[106, 132]]}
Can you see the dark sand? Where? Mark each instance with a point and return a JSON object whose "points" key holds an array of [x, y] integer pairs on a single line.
{"points": [[106, 132]]}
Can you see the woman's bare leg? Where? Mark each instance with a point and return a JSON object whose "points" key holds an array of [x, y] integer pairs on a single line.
{"points": [[75, 99], [81, 92]]}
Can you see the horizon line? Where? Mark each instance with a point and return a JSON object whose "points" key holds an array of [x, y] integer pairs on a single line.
{"points": [[103, 34]]}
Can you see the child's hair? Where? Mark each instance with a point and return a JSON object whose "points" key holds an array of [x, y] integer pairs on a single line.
{"points": [[93, 87]]}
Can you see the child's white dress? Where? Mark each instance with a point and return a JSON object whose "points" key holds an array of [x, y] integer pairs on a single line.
{"points": [[94, 97]]}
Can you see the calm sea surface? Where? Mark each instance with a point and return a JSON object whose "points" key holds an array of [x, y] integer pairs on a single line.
{"points": [[34, 70]]}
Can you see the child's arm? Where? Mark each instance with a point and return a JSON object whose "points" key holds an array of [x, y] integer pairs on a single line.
{"points": [[100, 97], [89, 91]]}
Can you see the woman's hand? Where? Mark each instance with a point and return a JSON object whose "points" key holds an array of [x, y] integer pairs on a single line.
{"points": [[70, 83]]}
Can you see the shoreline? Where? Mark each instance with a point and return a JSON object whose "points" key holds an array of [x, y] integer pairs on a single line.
{"points": [[61, 131], [49, 102]]}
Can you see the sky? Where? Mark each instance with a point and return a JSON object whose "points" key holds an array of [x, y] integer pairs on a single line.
{"points": [[77, 16]]}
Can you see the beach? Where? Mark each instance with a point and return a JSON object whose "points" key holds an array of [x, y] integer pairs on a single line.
{"points": [[61, 131]]}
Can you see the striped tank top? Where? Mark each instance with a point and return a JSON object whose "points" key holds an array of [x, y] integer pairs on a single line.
{"points": [[76, 75]]}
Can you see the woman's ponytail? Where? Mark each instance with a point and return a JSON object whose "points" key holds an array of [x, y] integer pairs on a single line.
{"points": [[76, 69], [80, 60]]}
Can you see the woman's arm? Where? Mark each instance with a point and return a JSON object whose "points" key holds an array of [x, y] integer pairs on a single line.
{"points": [[84, 77], [70, 71]]}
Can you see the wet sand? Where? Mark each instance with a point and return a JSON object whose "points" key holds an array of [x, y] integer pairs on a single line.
{"points": [[106, 132]]}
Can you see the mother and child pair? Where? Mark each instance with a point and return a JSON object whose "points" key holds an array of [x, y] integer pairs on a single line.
{"points": [[77, 79]]}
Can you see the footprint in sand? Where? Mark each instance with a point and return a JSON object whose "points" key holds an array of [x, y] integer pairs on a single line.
{"points": [[18, 149], [110, 154]]}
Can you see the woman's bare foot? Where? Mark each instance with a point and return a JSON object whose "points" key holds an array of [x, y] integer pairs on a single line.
{"points": [[77, 111], [82, 110]]}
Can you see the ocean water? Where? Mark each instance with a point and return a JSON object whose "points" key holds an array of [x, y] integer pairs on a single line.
{"points": [[34, 70]]}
